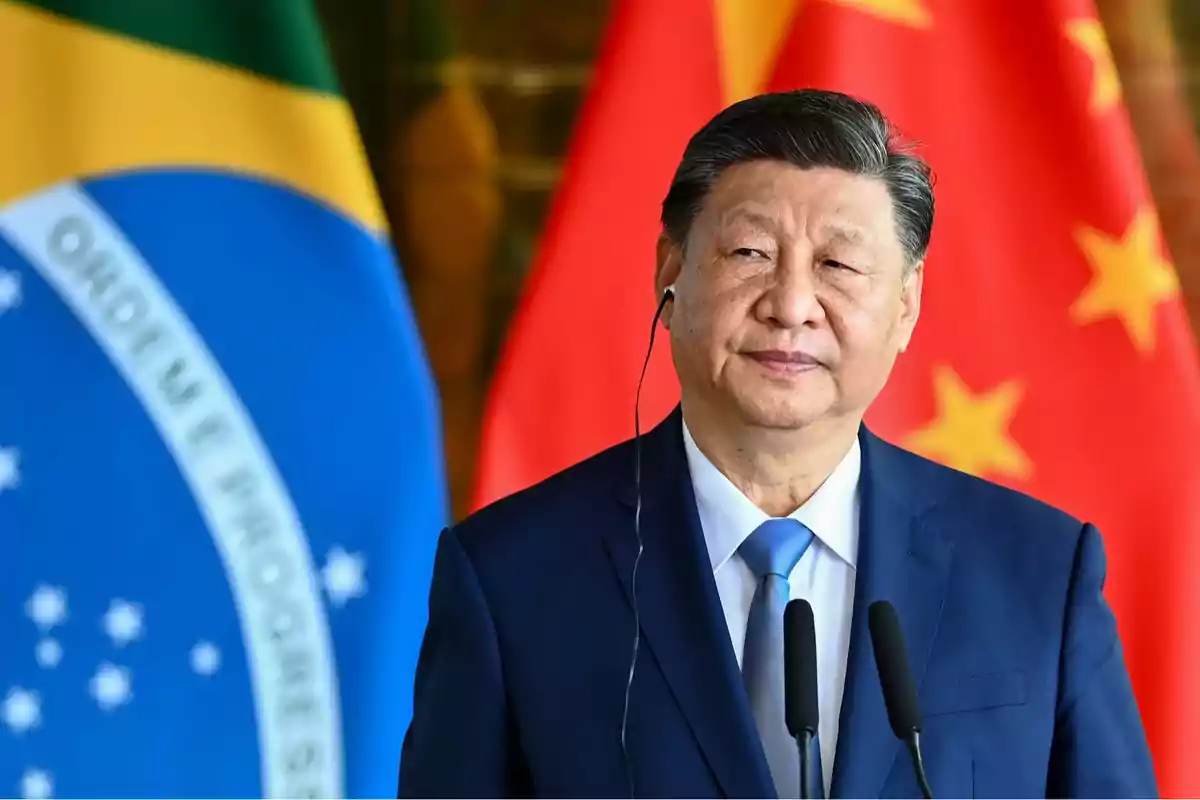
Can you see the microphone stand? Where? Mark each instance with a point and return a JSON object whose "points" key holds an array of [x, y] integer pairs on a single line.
{"points": [[807, 767], [913, 742]]}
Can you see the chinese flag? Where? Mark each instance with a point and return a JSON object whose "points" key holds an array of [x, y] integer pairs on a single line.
{"points": [[1053, 354]]}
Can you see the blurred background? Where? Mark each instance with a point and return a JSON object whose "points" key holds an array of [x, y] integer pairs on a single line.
{"points": [[134, 657], [468, 175]]}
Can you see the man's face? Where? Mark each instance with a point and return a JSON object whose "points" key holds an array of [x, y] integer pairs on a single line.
{"points": [[792, 295]]}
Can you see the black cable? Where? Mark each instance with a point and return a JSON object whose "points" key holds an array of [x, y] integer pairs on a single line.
{"points": [[637, 530]]}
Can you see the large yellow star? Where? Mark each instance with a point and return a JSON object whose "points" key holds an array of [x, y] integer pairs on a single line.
{"points": [[751, 32], [906, 12], [1088, 34], [970, 432], [1129, 279]]}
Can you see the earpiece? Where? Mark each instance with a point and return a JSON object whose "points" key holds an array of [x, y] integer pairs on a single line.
{"points": [[670, 290]]}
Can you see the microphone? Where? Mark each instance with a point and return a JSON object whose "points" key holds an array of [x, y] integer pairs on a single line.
{"points": [[801, 712], [899, 694]]}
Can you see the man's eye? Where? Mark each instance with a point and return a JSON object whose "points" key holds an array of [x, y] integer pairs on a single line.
{"points": [[749, 252], [829, 262]]}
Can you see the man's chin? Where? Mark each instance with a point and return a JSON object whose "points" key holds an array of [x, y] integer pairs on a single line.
{"points": [[782, 416], [770, 405]]}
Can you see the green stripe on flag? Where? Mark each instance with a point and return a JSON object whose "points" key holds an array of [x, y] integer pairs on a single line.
{"points": [[277, 39]]}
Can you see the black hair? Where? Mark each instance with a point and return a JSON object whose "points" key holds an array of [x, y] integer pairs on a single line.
{"points": [[807, 128]]}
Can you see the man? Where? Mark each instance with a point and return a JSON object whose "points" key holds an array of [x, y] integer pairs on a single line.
{"points": [[790, 267]]}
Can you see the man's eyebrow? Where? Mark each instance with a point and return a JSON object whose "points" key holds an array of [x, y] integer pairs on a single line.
{"points": [[746, 215], [845, 233]]}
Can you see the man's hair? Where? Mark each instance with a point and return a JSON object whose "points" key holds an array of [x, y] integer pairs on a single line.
{"points": [[807, 128]]}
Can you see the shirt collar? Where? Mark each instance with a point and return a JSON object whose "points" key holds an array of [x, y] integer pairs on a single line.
{"points": [[728, 517]]}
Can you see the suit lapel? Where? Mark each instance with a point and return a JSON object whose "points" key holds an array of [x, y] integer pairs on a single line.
{"points": [[903, 560], [681, 616]]}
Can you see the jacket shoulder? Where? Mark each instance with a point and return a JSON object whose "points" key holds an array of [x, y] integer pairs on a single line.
{"points": [[981, 504], [567, 500], [1008, 545]]}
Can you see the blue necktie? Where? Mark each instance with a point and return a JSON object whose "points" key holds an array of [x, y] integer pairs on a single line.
{"points": [[772, 552]]}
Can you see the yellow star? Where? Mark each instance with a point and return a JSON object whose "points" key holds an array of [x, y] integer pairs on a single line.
{"points": [[905, 12], [1129, 279], [1088, 34], [970, 432], [750, 33]]}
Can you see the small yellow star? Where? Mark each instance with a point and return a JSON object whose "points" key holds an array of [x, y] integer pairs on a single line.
{"points": [[905, 12], [970, 432], [1088, 34], [1129, 279]]}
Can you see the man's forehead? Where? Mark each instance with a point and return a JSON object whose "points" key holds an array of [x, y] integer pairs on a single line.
{"points": [[758, 187], [838, 204], [834, 223]]}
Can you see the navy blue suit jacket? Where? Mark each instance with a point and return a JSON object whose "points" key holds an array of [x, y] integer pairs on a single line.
{"points": [[522, 674]]}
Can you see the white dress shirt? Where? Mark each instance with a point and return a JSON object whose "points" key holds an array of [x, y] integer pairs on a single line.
{"points": [[824, 576]]}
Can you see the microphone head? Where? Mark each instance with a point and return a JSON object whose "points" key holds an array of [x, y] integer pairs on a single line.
{"points": [[800, 668], [891, 657]]}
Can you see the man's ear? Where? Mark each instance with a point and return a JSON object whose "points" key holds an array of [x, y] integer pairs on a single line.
{"points": [[910, 300], [668, 265]]}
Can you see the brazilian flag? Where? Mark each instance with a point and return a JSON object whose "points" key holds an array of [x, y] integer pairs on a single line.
{"points": [[221, 476]]}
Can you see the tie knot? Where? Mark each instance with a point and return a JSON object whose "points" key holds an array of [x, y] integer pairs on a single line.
{"points": [[775, 547]]}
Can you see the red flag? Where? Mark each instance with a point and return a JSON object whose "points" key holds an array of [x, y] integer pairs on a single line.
{"points": [[1053, 354], [564, 387]]}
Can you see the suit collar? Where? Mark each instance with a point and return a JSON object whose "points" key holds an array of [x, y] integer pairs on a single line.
{"points": [[904, 558], [681, 615]]}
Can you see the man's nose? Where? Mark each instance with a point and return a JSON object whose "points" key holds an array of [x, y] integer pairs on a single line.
{"points": [[791, 300]]}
